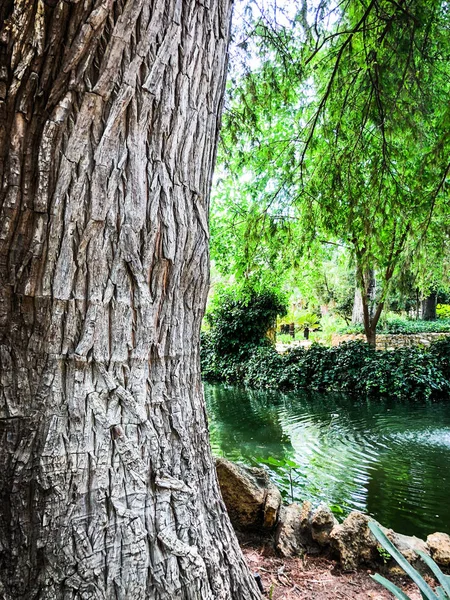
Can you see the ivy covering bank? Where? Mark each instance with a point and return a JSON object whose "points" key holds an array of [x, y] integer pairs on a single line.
{"points": [[412, 373], [236, 350]]}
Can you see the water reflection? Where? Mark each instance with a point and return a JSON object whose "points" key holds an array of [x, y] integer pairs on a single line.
{"points": [[387, 458]]}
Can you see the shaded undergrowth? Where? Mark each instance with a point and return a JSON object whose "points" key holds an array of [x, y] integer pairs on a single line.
{"points": [[411, 373]]}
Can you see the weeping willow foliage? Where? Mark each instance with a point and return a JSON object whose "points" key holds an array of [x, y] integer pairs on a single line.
{"points": [[339, 131]]}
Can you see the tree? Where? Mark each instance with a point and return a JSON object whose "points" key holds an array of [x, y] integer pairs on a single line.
{"points": [[343, 127], [429, 307], [358, 307], [373, 182], [109, 113]]}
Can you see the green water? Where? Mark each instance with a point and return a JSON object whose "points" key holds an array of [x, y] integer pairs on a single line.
{"points": [[389, 459]]}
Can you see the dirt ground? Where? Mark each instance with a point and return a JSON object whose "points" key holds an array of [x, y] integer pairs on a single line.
{"points": [[315, 578]]}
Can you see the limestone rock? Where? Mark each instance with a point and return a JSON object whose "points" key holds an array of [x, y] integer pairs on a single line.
{"points": [[394, 570], [251, 500], [288, 537], [408, 545], [322, 521], [271, 506], [439, 545], [316, 525], [304, 516], [354, 542]]}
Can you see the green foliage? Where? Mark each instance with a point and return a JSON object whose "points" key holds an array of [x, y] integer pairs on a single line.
{"points": [[441, 351], [441, 593], [338, 136], [240, 318], [239, 322], [269, 377], [443, 311], [354, 367], [309, 320], [384, 554], [401, 325], [404, 373], [301, 319]]}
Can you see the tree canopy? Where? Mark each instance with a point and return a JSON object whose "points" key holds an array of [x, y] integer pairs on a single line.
{"points": [[340, 133]]}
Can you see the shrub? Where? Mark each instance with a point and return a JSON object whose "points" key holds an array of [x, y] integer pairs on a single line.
{"points": [[443, 311], [405, 326], [405, 373], [239, 320], [237, 339], [264, 369], [412, 326], [440, 350]]}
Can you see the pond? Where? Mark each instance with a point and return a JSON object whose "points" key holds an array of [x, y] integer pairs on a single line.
{"points": [[389, 459]]}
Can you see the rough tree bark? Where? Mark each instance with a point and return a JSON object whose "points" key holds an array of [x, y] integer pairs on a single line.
{"points": [[371, 309], [109, 115], [429, 305], [358, 310]]}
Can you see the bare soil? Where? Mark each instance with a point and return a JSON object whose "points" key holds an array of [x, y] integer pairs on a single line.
{"points": [[316, 578]]}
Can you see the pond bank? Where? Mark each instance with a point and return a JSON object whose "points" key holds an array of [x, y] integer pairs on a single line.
{"points": [[389, 459], [414, 373], [254, 505]]}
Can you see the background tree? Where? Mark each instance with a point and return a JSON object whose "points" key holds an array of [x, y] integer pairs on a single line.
{"points": [[343, 125], [109, 116]]}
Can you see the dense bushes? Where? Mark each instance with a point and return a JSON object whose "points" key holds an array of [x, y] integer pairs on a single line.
{"points": [[236, 350], [239, 322], [443, 311], [413, 373], [239, 319]]}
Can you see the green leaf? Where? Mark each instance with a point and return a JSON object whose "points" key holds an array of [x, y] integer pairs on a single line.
{"points": [[401, 560], [292, 464], [336, 509], [273, 461], [443, 579], [398, 593]]}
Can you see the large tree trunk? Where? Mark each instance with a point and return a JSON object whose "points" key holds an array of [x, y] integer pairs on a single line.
{"points": [[108, 127]]}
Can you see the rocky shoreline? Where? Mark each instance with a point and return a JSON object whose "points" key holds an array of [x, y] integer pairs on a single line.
{"points": [[254, 505]]}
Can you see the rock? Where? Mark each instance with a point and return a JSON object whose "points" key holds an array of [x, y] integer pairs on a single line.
{"points": [[354, 542], [316, 525], [288, 537], [322, 521], [439, 545], [394, 570], [408, 545], [242, 493], [304, 517], [356, 545], [271, 506], [252, 501]]}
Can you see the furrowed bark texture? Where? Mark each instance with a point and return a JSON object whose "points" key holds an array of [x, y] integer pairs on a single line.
{"points": [[109, 114]]}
